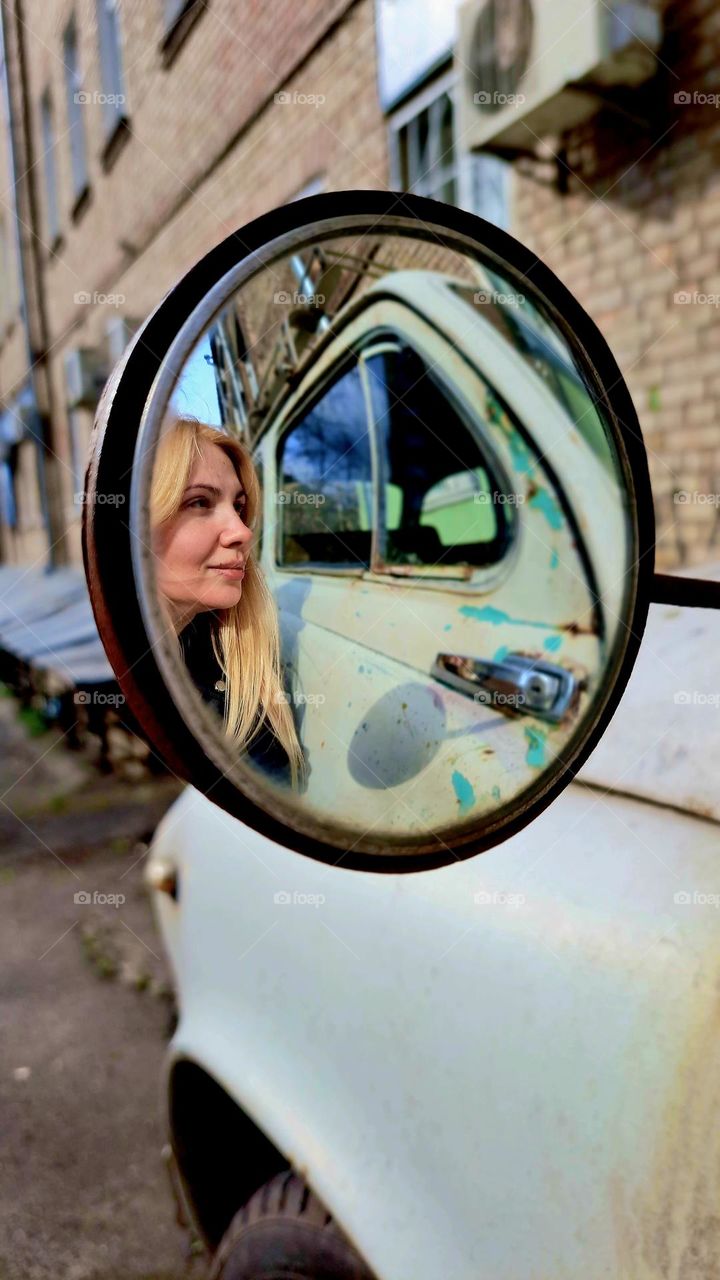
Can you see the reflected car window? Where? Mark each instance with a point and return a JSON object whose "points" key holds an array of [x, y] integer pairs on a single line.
{"points": [[325, 481], [440, 505]]}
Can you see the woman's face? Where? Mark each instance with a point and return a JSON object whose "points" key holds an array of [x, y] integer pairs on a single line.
{"points": [[201, 551]]}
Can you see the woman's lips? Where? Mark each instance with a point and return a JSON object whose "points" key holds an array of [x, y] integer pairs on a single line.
{"points": [[228, 571]]}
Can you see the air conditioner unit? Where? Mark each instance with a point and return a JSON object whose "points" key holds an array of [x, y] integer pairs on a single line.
{"points": [[85, 376], [532, 67]]}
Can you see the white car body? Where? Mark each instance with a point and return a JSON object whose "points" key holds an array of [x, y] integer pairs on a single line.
{"points": [[508, 1067]]}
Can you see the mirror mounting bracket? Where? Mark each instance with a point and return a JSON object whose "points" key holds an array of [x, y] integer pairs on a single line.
{"points": [[690, 593]]}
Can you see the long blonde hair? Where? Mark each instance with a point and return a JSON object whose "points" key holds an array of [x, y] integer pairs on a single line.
{"points": [[245, 637]]}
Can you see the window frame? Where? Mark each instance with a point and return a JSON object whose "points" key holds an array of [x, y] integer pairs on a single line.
{"points": [[112, 69], [76, 120], [377, 339], [405, 116], [474, 428], [466, 167], [50, 173], [178, 19]]}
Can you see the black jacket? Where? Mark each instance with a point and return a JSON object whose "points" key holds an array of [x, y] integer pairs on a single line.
{"points": [[265, 749]]}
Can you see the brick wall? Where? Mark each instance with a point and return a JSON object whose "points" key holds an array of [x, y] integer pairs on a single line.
{"points": [[639, 225], [209, 147]]}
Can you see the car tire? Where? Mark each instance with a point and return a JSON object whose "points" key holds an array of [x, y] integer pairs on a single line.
{"points": [[284, 1232]]}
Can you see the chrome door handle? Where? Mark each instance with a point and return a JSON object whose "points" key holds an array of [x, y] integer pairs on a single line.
{"points": [[531, 686]]}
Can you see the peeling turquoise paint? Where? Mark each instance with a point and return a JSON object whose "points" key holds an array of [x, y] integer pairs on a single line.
{"points": [[463, 791], [554, 560], [489, 613], [496, 793], [448, 626], [501, 653], [536, 747], [553, 643], [545, 503], [522, 459]]}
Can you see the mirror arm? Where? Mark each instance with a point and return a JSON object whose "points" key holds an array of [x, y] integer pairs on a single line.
{"points": [[691, 593]]}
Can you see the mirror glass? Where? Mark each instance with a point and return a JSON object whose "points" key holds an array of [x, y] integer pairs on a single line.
{"points": [[383, 537]]}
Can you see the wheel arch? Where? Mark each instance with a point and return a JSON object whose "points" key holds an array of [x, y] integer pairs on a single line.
{"points": [[221, 1155]]}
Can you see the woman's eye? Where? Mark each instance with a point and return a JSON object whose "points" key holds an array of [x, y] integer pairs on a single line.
{"points": [[194, 502]]}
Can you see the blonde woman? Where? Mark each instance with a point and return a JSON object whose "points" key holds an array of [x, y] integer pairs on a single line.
{"points": [[204, 505]]}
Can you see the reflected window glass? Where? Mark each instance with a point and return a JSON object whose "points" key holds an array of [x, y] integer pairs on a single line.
{"points": [[439, 501], [325, 481]]}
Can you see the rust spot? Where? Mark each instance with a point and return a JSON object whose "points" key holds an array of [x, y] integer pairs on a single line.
{"points": [[574, 629]]}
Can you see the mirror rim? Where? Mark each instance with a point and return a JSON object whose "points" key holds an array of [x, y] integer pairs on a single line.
{"points": [[110, 552]]}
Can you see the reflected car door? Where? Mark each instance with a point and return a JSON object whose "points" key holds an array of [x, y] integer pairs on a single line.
{"points": [[414, 522]]}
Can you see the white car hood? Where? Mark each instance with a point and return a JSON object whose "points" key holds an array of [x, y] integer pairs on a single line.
{"points": [[664, 742]]}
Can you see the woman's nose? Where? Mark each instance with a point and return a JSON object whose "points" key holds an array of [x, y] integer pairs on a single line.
{"points": [[235, 530]]}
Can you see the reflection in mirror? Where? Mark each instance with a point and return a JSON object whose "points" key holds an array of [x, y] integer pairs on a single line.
{"points": [[390, 536], [204, 505]]}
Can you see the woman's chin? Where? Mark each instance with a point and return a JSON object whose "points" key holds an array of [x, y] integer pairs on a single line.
{"points": [[225, 596]]}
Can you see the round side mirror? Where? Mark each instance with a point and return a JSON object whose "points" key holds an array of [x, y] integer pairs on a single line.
{"points": [[368, 530]]}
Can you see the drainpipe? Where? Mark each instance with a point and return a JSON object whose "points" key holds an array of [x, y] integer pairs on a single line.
{"points": [[28, 244]]}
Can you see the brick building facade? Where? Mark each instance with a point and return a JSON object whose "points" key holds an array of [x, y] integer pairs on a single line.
{"points": [[145, 131]]}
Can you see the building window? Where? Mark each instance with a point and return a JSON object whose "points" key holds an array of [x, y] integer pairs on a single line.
{"points": [[111, 64], [422, 145], [5, 287], [173, 11], [52, 213], [76, 100], [428, 159], [314, 187], [179, 17], [77, 453]]}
